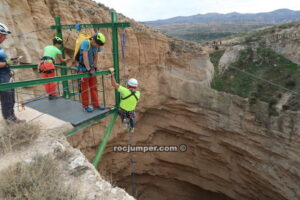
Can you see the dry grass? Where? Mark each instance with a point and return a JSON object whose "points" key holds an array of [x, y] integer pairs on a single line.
{"points": [[40, 179], [16, 135]]}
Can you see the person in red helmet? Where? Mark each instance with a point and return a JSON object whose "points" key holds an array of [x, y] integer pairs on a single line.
{"points": [[46, 67]]}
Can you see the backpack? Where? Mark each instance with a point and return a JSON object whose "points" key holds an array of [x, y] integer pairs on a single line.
{"points": [[79, 40]]}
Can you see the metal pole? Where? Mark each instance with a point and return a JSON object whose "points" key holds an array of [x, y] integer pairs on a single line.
{"points": [[115, 43], [103, 92], [102, 146], [63, 71], [18, 84]]}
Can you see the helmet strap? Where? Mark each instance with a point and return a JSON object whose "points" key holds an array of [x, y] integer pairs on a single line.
{"points": [[131, 88]]}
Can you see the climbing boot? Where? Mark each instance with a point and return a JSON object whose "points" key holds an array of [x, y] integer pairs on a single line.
{"points": [[88, 109], [131, 130], [125, 124]]}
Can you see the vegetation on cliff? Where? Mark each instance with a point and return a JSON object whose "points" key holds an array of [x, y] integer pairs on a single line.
{"points": [[262, 63]]}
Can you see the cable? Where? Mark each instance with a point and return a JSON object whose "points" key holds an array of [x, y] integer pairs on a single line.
{"points": [[56, 91], [37, 117], [264, 80], [45, 113], [132, 169], [40, 96], [30, 32], [271, 83]]}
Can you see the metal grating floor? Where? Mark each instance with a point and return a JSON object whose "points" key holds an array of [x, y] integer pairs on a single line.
{"points": [[65, 109]]}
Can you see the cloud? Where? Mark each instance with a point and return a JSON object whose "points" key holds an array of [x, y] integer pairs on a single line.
{"points": [[143, 10]]}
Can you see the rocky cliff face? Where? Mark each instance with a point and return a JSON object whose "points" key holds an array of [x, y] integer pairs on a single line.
{"points": [[283, 39], [235, 151], [286, 42], [75, 171]]}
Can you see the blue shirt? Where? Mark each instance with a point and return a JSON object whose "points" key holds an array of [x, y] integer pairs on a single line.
{"points": [[92, 53], [3, 58]]}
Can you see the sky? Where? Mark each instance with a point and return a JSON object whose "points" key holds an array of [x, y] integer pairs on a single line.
{"points": [[146, 10]]}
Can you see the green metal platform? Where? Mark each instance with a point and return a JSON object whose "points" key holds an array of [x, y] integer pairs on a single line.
{"points": [[65, 109], [70, 110]]}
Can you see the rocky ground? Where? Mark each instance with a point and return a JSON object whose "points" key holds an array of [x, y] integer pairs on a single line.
{"points": [[77, 172]]}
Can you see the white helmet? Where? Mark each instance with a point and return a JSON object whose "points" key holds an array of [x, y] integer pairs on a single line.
{"points": [[4, 30], [133, 82]]}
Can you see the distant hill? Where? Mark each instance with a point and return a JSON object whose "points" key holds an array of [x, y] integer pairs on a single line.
{"points": [[214, 25]]}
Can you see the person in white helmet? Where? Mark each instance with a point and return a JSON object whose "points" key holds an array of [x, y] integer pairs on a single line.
{"points": [[129, 99], [7, 97]]}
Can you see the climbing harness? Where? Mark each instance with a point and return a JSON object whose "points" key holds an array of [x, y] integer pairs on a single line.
{"points": [[132, 94]]}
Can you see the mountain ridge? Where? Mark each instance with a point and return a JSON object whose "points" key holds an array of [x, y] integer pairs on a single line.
{"points": [[202, 17], [214, 26]]}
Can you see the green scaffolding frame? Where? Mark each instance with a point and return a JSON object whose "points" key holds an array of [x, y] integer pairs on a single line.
{"points": [[64, 78]]}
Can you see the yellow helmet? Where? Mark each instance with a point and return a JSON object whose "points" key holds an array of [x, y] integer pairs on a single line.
{"points": [[57, 40], [99, 38]]}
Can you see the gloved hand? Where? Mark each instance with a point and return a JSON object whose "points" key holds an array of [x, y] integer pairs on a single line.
{"points": [[9, 62], [92, 71], [111, 70]]}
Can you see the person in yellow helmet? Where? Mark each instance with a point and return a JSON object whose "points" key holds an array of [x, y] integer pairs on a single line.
{"points": [[88, 61], [129, 99], [46, 67]]}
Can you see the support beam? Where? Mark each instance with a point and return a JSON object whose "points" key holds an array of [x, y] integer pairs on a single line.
{"points": [[63, 71], [23, 66], [96, 26], [66, 67], [36, 66], [102, 146], [115, 43], [19, 84], [89, 123]]}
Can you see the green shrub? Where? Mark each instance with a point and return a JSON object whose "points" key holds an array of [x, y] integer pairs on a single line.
{"points": [[90, 11], [215, 58], [290, 84], [172, 46], [71, 2]]}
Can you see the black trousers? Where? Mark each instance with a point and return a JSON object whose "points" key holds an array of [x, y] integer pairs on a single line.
{"points": [[7, 98], [128, 115]]}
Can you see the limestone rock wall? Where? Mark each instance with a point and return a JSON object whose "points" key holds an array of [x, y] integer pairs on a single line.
{"points": [[286, 42], [234, 149]]}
